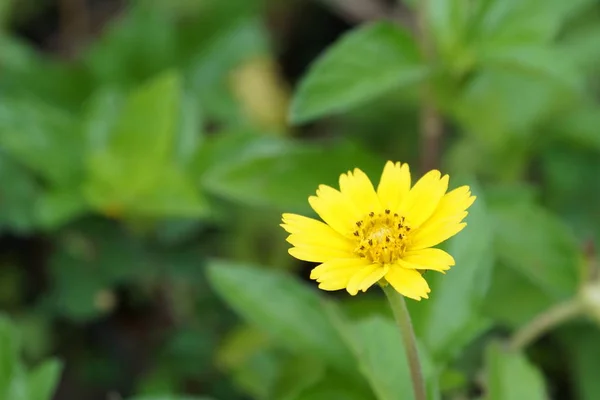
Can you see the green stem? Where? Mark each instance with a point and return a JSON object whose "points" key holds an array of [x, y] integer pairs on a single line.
{"points": [[402, 316], [544, 322]]}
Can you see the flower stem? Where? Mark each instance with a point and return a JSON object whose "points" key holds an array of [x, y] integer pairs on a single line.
{"points": [[544, 322], [402, 316]]}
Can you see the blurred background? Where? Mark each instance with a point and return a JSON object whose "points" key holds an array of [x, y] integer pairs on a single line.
{"points": [[144, 143]]}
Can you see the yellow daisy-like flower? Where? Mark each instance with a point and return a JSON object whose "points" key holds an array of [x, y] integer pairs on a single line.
{"points": [[385, 235]]}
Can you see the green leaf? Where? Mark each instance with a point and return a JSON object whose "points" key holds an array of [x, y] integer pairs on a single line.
{"points": [[582, 348], [190, 130], [209, 71], [28, 74], [381, 358], [133, 171], [487, 107], [513, 299], [580, 127], [537, 245], [9, 354], [545, 62], [17, 205], [570, 175], [42, 381], [278, 304], [451, 317], [247, 354], [580, 44], [86, 265], [336, 387], [42, 137], [511, 377], [57, 208], [135, 47], [170, 397], [522, 21], [449, 21], [176, 196], [281, 174], [364, 64], [538, 261], [295, 376], [143, 135]]}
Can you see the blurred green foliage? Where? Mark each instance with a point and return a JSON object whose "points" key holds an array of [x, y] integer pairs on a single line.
{"points": [[143, 179]]}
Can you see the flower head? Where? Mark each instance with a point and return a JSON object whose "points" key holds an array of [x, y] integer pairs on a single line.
{"points": [[385, 235]]}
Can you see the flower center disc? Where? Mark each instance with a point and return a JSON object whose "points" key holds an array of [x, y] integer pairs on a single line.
{"points": [[381, 238]]}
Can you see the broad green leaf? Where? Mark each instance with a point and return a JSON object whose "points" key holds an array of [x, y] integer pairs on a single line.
{"points": [[256, 376], [537, 245], [334, 386], [43, 380], [487, 107], [247, 354], [135, 47], [513, 299], [380, 356], [18, 388], [451, 317], [367, 62], [579, 43], [138, 150], [571, 175], [295, 376], [278, 304], [580, 127], [190, 132], [281, 174], [522, 21], [56, 208], [6, 10], [27, 73], [9, 354], [17, 205], [100, 116], [86, 265], [170, 397], [42, 137], [449, 20], [146, 127], [511, 377], [582, 347], [544, 62], [176, 195], [210, 70]]}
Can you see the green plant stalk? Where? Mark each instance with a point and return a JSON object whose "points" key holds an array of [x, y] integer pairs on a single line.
{"points": [[402, 316], [544, 322]]}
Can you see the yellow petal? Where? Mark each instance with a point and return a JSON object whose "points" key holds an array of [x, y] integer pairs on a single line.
{"points": [[408, 282], [317, 254], [452, 204], [433, 259], [357, 187], [336, 274], [352, 264], [319, 240], [394, 185], [366, 276], [373, 278], [333, 285], [335, 209], [424, 197], [435, 234]]}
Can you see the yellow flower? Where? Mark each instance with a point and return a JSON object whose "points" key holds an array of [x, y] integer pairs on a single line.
{"points": [[385, 235]]}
